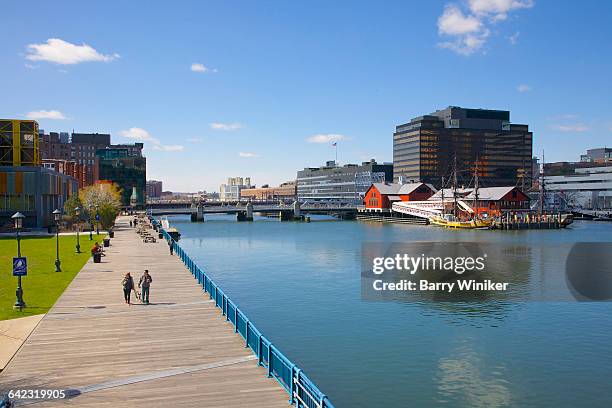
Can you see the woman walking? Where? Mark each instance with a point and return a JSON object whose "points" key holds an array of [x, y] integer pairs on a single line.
{"points": [[128, 286]]}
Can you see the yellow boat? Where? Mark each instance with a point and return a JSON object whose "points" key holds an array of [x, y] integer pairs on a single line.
{"points": [[450, 221]]}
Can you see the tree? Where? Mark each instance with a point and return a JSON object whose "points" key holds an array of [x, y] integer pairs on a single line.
{"points": [[103, 199], [73, 202]]}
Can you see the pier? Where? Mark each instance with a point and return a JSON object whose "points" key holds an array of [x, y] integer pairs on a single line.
{"points": [[176, 352]]}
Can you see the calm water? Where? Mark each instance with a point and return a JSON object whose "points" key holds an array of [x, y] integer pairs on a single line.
{"points": [[300, 284]]}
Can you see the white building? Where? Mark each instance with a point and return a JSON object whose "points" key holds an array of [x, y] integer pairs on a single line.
{"points": [[589, 187], [231, 190]]}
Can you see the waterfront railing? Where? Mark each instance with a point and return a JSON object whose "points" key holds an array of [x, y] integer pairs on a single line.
{"points": [[302, 391]]}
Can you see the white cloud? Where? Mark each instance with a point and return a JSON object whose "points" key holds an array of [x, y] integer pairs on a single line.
{"points": [[30, 66], [497, 9], [246, 154], [326, 138], [467, 32], [65, 53], [225, 126], [46, 114], [454, 22], [514, 38], [195, 140], [197, 67], [139, 134], [143, 135], [573, 128], [522, 88]]}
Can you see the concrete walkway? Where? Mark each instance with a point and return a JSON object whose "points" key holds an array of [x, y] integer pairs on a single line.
{"points": [[13, 333], [175, 352]]}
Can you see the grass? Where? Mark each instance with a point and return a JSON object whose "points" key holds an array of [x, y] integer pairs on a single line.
{"points": [[42, 286]]}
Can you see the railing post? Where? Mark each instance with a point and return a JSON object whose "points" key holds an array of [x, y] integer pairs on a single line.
{"points": [[269, 359], [292, 385], [259, 355], [235, 319], [246, 335]]}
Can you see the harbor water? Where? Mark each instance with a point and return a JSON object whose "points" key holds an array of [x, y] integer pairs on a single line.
{"points": [[300, 284]]}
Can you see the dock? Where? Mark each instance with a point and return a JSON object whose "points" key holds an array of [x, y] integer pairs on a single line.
{"points": [[175, 352]]}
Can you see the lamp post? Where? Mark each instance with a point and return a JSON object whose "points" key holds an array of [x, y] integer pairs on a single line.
{"points": [[57, 216], [97, 221], [77, 213], [89, 208], [18, 219]]}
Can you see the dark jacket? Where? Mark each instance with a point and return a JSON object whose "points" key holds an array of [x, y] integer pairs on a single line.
{"points": [[128, 283], [145, 281]]}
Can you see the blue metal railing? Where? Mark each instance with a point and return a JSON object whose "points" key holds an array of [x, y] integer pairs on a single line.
{"points": [[302, 392]]}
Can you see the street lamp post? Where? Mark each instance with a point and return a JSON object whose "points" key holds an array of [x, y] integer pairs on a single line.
{"points": [[77, 213], [90, 224], [97, 222], [18, 219], [57, 216]]}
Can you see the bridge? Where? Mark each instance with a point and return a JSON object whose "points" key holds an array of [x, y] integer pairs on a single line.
{"points": [[244, 212]]}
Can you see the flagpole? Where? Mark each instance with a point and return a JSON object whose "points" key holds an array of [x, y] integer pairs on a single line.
{"points": [[336, 146]]}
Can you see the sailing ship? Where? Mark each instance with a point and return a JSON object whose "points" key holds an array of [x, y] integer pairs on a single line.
{"points": [[452, 219]]}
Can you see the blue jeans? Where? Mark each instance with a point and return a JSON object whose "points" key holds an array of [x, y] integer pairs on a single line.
{"points": [[144, 296]]}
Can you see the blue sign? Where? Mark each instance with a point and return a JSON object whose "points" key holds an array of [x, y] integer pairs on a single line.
{"points": [[97, 217], [20, 266]]}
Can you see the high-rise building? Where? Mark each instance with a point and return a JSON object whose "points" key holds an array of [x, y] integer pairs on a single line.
{"points": [[127, 168], [231, 190], [427, 148], [83, 151], [154, 189], [346, 184]]}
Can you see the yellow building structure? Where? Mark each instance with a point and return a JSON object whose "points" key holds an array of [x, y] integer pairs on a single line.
{"points": [[19, 143]]}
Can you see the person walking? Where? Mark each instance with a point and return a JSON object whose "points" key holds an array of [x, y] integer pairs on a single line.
{"points": [[130, 223], [128, 286], [171, 245], [144, 284]]}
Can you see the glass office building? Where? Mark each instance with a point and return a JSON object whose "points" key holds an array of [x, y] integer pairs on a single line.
{"points": [[342, 184], [426, 148], [125, 167]]}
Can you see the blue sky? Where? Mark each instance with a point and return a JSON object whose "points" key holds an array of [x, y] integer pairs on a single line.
{"points": [[218, 89]]}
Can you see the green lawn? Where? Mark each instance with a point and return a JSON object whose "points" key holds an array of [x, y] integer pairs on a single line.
{"points": [[43, 285]]}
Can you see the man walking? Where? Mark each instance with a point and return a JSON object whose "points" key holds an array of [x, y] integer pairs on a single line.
{"points": [[144, 284], [171, 245]]}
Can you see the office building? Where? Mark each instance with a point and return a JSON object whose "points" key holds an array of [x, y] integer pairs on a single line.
{"points": [[127, 168], [286, 191], [154, 189], [599, 155], [83, 151], [231, 190], [427, 148], [343, 184], [584, 184], [52, 147], [68, 167]]}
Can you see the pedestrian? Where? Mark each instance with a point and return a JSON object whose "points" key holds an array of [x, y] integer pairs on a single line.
{"points": [[128, 286], [171, 245], [130, 223], [144, 284]]}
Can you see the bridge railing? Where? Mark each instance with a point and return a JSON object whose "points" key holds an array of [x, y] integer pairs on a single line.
{"points": [[302, 392]]}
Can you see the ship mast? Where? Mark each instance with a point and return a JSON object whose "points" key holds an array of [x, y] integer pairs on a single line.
{"points": [[476, 203], [455, 212], [542, 186], [443, 205]]}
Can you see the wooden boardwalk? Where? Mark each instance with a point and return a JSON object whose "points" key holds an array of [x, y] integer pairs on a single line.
{"points": [[175, 352]]}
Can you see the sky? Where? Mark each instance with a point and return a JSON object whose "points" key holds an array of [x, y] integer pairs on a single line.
{"points": [[241, 88]]}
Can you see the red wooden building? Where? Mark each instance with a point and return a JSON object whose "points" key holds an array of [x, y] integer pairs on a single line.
{"points": [[380, 196]]}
